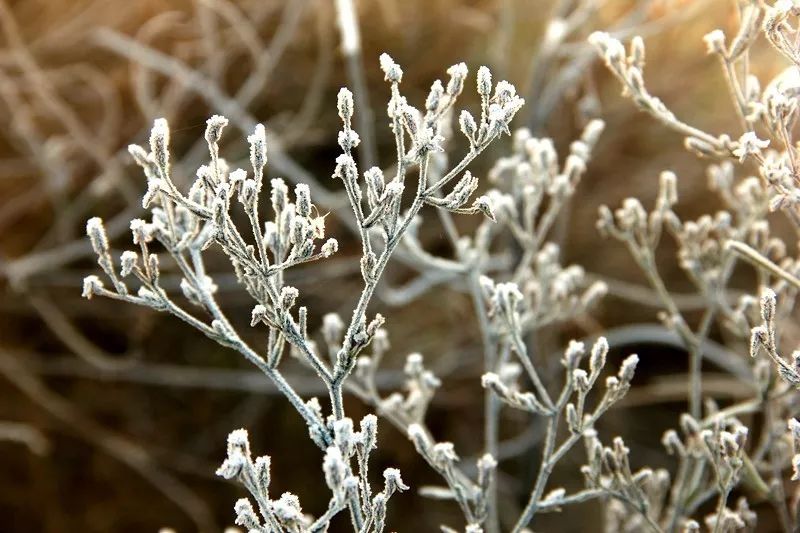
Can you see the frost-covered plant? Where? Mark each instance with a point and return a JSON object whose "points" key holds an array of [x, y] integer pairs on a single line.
{"points": [[513, 297], [532, 188], [186, 224], [716, 454]]}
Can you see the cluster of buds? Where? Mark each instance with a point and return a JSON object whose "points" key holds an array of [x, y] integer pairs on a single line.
{"points": [[742, 518], [764, 337], [421, 384], [505, 302], [556, 293], [534, 173], [628, 65], [633, 225], [285, 513], [471, 496], [497, 110], [192, 222], [721, 445], [255, 476], [504, 385], [778, 28], [608, 469]]}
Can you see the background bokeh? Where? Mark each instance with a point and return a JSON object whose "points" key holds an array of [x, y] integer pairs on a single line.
{"points": [[116, 417]]}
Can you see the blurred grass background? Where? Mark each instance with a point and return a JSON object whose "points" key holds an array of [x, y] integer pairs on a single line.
{"points": [[119, 416]]}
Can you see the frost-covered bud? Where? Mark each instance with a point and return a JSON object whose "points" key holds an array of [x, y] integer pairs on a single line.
{"points": [[689, 425], [574, 168], [468, 126], [768, 304], [507, 297], [219, 208], [580, 380], [287, 509], [740, 436], [594, 294], [258, 149], [611, 49], [330, 247], [343, 435], [632, 216], [462, 190], [484, 205], [420, 438], [597, 360], [484, 82], [728, 444], [487, 465], [393, 482], [345, 168], [140, 156], [245, 515], [159, 142], [749, 144], [129, 260], [375, 183], [627, 369], [288, 297], [391, 70], [303, 249], [270, 234], [348, 139], [458, 73], [605, 221], [238, 454], [759, 337], [434, 96], [97, 235], [426, 142], [258, 314], [248, 193], [153, 187], [668, 189], [715, 42], [303, 200], [214, 127], [205, 176], [262, 470], [637, 55], [444, 454], [414, 364], [672, 443], [571, 415], [369, 432], [367, 263], [237, 177], [335, 470], [375, 324], [91, 286], [591, 133], [573, 354], [492, 381], [504, 92], [279, 196], [344, 104]]}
